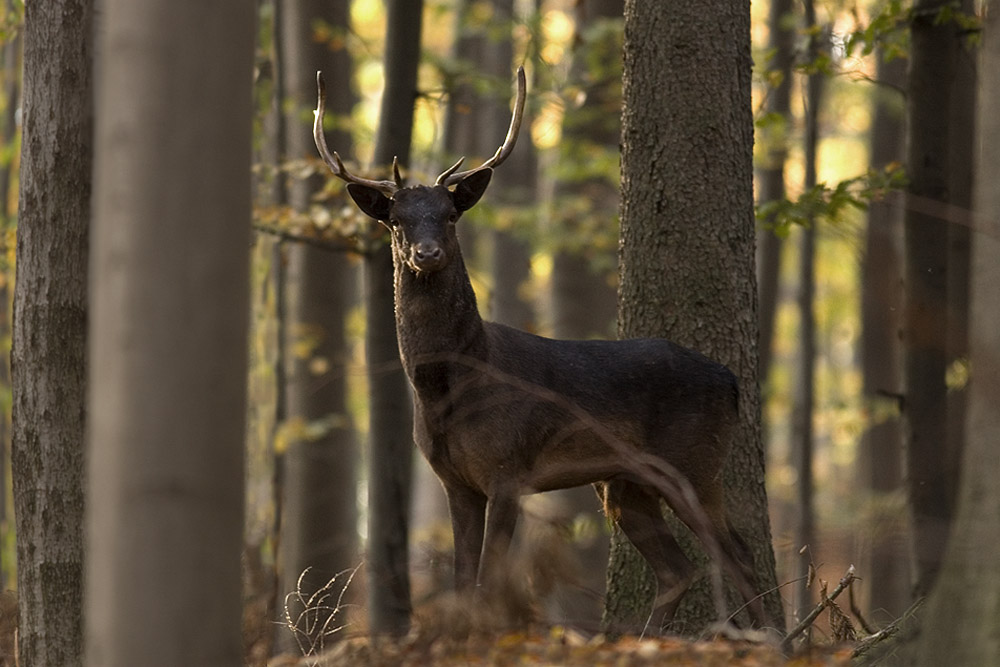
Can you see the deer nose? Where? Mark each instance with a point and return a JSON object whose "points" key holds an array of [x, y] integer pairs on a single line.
{"points": [[428, 256]]}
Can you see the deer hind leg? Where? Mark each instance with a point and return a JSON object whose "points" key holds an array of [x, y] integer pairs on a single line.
{"points": [[636, 510], [737, 559], [501, 519]]}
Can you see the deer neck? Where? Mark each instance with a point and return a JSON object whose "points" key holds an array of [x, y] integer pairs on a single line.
{"points": [[436, 314]]}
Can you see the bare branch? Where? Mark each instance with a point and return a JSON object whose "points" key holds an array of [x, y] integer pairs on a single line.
{"points": [[849, 577], [330, 245]]}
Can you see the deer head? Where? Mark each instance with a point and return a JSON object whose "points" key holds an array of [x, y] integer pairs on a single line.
{"points": [[420, 218]]}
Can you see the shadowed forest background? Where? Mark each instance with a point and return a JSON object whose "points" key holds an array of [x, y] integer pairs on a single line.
{"points": [[865, 150]]}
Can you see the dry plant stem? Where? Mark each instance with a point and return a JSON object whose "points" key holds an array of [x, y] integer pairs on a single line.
{"points": [[865, 625], [808, 620], [310, 637]]}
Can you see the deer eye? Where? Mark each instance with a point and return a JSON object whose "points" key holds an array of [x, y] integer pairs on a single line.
{"points": [[452, 218]]}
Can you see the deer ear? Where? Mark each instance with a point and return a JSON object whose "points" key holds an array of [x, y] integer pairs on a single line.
{"points": [[471, 188], [372, 202]]}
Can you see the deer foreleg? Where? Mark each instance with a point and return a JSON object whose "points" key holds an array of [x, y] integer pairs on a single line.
{"points": [[468, 514]]}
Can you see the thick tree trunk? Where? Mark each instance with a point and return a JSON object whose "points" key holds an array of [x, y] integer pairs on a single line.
{"points": [[48, 354], [168, 353], [319, 485], [687, 247], [960, 621], [881, 456], [925, 321], [390, 449]]}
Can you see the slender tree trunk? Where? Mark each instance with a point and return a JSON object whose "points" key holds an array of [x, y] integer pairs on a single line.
{"points": [[804, 400], [881, 304], [687, 255], [48, 354], [273, 191], [960, 185], [960, 621], [925, 321], [11, 68], [583, 291], [319, 485], [168, 352], [771, 175], [391, 411], [515, 187], [463, 115], [583, 299]]}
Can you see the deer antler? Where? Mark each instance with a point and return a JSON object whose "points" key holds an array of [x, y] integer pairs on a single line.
{"points": [[333, 160], [449, 175]]}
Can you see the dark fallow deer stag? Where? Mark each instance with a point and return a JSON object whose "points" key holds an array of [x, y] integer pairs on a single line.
{"points": [[500, 413]]}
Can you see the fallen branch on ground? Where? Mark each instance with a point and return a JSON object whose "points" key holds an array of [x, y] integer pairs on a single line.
{"points": [[849, 577]]}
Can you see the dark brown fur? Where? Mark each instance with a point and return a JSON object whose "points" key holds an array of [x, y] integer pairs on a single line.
{"points": [[501, 412]]}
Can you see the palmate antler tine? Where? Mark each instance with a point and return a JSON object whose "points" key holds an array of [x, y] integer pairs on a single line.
{"points": [[449, 177], [333, 160]]}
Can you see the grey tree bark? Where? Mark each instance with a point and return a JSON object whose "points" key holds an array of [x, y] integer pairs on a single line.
{"points": [[390, 448], [924, 314], [319, 468], [881, 456], [961, 177], [687, 243], [961, 616], [49, 346], [168, 346]]}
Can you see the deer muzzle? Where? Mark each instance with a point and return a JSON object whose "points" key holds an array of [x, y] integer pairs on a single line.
{"points": [[427, 257]]}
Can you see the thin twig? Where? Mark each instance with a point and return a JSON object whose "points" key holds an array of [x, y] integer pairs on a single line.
{"points": [[868, 643], [818, 609], [330, 245]]}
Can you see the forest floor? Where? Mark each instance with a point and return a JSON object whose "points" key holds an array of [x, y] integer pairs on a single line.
{"points": [[563, 647], [449, 632]]}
